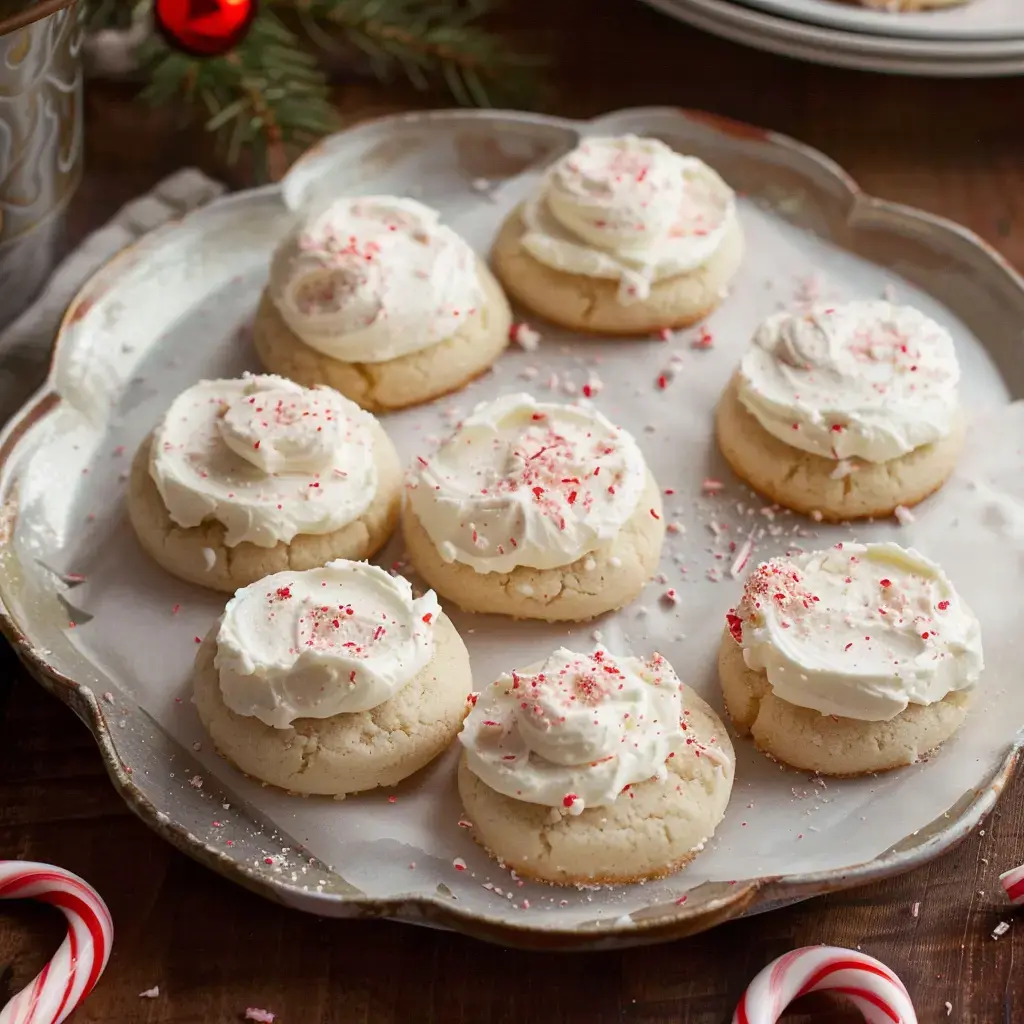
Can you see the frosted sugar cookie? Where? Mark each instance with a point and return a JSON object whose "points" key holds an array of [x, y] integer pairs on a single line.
{"points": [[377, 299], [846, 411], [332, 681], [852, 660], [623, 236], [594, 768], [251, 476], [534, 510]]}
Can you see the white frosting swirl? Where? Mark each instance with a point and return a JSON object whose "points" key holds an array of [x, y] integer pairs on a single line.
{"points": [[531, 483], [866, 379], [575, 730], [265, 457], [860, 631], [629, 209], [374, 278], [324, 642]]}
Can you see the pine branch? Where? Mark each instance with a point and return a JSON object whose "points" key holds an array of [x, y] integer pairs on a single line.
{"points": [[268, 94], [427, 41]]}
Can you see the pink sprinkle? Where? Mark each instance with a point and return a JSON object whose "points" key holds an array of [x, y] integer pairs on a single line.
{"points": [[681, 900], [176, 609], [392, 799], [943, 605], [664, 334], [262, 1016], [459, 864], [742, 557], [197, 639], [670, 597], [703, 340], [525, 336], [654, 514], [711, 486], [268, 860], [848, 646]]}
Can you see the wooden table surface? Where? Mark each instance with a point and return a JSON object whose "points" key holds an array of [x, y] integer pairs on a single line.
{"points": [[952, 147]]}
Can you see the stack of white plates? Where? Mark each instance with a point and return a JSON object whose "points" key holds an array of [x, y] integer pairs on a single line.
{"points": [[977, 39]]}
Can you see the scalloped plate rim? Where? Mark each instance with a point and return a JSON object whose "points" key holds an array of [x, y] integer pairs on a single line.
{"points": [[748, 896]]}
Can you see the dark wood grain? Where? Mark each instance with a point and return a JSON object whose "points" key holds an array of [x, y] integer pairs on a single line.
{"points": [[952, 147]]}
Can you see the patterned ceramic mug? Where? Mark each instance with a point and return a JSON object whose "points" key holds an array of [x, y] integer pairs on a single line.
{"points": [[40, 140]]}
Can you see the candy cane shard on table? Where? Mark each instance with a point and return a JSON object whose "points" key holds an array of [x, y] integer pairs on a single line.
{"points": [[70, 976], [1012, 882], [879, 995]]}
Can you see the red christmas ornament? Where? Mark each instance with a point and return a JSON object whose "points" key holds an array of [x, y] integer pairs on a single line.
{"points": [[204, 28]]}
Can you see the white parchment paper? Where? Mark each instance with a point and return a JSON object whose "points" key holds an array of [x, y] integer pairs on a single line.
{"points": [[406, 841]]}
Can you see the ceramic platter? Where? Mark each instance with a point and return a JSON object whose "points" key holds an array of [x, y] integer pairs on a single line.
{"points": [[842, 35], [113, 636], [976, 20]]}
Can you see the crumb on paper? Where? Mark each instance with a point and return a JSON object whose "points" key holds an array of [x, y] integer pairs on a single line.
{"points": [[108, 696], [949, 1008], [262, 1016], [1000, 929], [196, 782], [903, 515], [150, 993], [915, 910]]}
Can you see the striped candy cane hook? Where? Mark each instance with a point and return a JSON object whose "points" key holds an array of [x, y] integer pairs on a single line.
{"points": [[1013, 884], [76, 967], [864, 981]]}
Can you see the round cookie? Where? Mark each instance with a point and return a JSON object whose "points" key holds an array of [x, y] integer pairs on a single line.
{"points": [[812, 484], [199, 555], [805, 739], [602, 580], [652, 830], [406, 380], [348, 753], [592, 304]]}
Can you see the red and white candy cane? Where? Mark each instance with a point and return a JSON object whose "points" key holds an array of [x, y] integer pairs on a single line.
{"points": [[1013, 882], [869, 985], [76, 967]]}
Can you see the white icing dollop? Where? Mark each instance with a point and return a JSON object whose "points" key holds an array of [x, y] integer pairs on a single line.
{"points": [[529, 483], [865, 379], [323, 642], [859, 631], [265, 457], [373, 278], [628, 209], [573, 731]]}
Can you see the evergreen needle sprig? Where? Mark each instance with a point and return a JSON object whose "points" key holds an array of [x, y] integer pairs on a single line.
{"points": [[270, 95]]}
